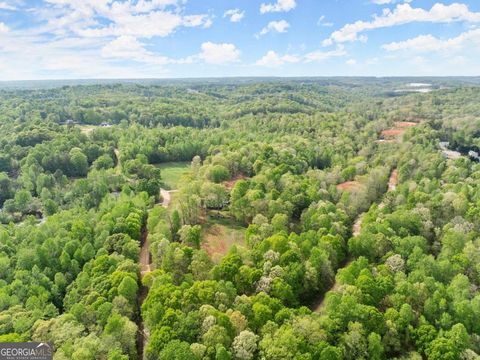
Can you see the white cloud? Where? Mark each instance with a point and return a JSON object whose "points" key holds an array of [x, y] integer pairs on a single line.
{"points": [[129, 48], [321, 22], [3, 28], [6, 6], [26, 57], [429, 43], [235, 15], [219, 53], [279, 6], [324, 55], [278, 26], [145, 5], [272, 59], [351, 62], [386, 2], [458, 60], [419, 61], [197, 20], [403, 14], [104, 18]]}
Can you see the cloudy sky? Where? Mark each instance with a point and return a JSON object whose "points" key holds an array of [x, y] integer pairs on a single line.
{"points": [[55, 39]]}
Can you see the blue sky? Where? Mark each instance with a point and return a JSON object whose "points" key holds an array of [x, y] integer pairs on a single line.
{"points": [[68, 39]]}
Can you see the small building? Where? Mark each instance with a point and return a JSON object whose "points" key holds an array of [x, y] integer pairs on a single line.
{"points": [[474, 155]]}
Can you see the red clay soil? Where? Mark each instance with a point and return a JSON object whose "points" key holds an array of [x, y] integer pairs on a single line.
{"points": [[393, 180], [231, 183], [349, 185], [390, 133], [399, 129]]}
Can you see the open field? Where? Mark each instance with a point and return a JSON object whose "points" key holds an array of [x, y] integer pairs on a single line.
{"points": [[219, 235], [171, 172]]}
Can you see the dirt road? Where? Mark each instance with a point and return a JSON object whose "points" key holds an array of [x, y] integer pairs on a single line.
{"points": [[319, 305], [357, 225], [144, 261], [166, 197], [393, 180], [117, 155]]}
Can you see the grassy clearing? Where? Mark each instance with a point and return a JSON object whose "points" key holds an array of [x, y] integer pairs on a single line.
{"points": [[219, 235], [171, 172], [87, 129]]}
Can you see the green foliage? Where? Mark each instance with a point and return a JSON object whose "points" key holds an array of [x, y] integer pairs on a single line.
{"points": [[269, 157], [218, 173], [177, 350]]}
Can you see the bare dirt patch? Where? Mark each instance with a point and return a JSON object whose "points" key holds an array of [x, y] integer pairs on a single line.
{"points": [[393, 180], [357, 225], [349, 186], [398, 130], [231, 183], [391, 133]]}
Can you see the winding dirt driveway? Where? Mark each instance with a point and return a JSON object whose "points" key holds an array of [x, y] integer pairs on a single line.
{"points": [[144, 261], [166, 197], [144, 258], [319, 305]]}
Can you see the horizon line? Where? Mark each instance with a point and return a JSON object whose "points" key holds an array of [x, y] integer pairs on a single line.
{"points": [[249, 77]]}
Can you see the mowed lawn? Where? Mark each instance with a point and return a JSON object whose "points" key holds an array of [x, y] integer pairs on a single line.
{"points": [[219, 235], [171, 172]]}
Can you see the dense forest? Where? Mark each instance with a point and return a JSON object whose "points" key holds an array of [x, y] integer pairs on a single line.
{"points": [[242, 219]]}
